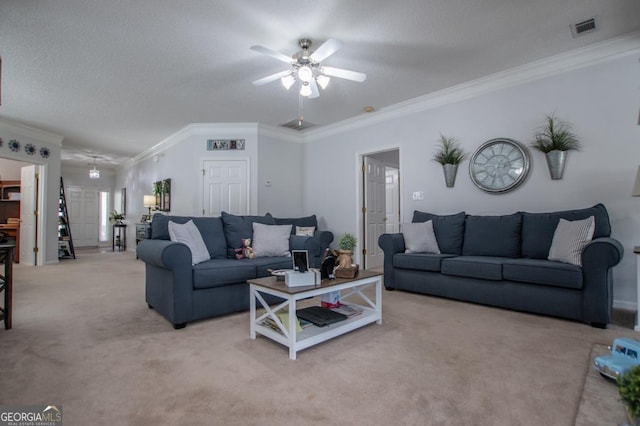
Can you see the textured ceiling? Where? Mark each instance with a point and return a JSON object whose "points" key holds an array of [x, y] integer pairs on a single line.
{"points": [[116, 77]]}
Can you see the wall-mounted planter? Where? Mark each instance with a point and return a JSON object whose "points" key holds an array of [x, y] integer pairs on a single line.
{"points": [[450, 171], [556, 160]]}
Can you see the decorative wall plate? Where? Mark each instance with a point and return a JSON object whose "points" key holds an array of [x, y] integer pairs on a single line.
{"points": [[30, 149], [14, 145], [499, 165]]}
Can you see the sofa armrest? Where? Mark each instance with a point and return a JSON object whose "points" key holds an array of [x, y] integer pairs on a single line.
{"points": [[390, 245], [598, 257], [325, 238], [164, 253]]}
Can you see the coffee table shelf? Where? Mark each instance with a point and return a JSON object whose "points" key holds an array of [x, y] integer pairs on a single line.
{"points": [[312, 335]]}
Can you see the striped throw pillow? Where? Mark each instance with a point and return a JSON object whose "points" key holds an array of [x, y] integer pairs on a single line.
{"points": [[570, 238]]}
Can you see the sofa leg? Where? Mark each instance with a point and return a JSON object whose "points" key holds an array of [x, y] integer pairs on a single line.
{"points": [[179, 326], [389, 288], [598, 325], [150, 307]]}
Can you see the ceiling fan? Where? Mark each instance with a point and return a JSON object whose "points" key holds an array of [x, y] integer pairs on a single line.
{"points": [[307, 69]]}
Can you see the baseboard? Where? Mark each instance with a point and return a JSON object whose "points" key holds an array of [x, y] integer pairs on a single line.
{"points": [[623, 304]]}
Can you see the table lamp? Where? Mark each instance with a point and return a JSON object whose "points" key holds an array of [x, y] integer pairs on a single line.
{"points": [[149, 202]]}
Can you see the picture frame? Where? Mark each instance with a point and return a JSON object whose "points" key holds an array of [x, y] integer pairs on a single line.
{"points": [[123, 201]]}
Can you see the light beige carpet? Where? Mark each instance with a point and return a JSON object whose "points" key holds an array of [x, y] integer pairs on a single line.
{"points": [[84, 338]]}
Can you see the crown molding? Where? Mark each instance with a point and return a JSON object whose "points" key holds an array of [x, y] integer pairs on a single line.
{"points": [[31, 132], [193, 129], [593, 54]]}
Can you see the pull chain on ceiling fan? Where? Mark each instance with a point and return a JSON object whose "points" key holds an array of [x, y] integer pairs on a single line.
{"points": [[306, 68]]}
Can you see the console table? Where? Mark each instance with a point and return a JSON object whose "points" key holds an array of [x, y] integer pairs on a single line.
{"points": [[119, 237], [6, 283]]}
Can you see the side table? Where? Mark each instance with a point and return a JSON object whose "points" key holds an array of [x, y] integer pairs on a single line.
{"points": [[6, 283], [119, 237]]}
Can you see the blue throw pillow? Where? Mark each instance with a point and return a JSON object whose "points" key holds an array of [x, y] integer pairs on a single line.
{"points": [[237, 228], [492, 236], [538, 228], [449, 230]]}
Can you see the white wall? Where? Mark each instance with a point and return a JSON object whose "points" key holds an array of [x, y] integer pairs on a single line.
{"points": [[180, 158], [51, 171], [280, 163], [602, 103], [10, 170]]}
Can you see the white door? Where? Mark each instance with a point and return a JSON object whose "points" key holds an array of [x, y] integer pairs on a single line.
{"points": [[392, 200], [28, 228], [82, 207], [225, 187], [374, 212]]}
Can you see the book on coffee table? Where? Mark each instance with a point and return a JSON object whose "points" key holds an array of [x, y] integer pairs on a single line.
{"points": [[348, 310]]}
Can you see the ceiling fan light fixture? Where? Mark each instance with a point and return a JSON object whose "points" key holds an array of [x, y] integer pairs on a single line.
{"points": [[323, 81], [305, 74], [305, 89], [287, 81]]}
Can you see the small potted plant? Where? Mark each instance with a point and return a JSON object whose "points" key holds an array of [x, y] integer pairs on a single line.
{"points": [[554, 139], [629, 388], [346, 244], [449, 154], [115, 217]]}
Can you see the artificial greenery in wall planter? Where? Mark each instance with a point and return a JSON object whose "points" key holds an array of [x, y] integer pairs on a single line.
{"points": [[449, 154], [162, 190], [554, 139]]}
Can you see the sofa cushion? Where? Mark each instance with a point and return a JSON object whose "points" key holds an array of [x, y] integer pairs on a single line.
{"points": [[484, 267], [264, 264], [449, 230], [222, 272], [570, 239], [271, 240], [544, 272], [492, 236], [237, 228], [303, 222], [210, 228], [420, 238], [419, 261], [538, 228], [189, 235]]}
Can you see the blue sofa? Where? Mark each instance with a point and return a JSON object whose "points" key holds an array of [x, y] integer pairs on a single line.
{"points": [[183, 292], [502, 261]]}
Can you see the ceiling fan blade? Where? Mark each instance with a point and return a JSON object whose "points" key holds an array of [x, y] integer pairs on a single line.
{"points": [[326, 49], [346, 74], [314, 89], [270, 78], [279, 56]]}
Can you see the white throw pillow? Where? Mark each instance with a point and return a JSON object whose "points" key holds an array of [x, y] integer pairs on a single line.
{"points": [[190, 235], [420, 238], [570, 238], [305, 231], [271, 240]]}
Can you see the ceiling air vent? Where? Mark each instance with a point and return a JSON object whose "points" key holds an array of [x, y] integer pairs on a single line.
{"points": [[295, 124], [584, 27]]}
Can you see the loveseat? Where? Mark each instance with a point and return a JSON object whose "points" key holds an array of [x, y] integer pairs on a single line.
{"points": [[184, 292], [503, 261]]}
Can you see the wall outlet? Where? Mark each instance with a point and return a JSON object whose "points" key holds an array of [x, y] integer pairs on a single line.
{"points": [[418, 195]]}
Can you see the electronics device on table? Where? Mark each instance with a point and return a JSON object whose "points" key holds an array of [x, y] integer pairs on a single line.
{"points": [[319, 316], [300, 260]]}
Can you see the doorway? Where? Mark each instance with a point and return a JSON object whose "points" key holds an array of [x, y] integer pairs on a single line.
{"points": [[380, 202]]}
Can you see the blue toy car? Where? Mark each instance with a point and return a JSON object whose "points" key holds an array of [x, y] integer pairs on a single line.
{"points": [[624, 355]]}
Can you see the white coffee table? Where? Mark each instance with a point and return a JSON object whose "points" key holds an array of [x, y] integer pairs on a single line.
{"points": [[312, 335]]}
